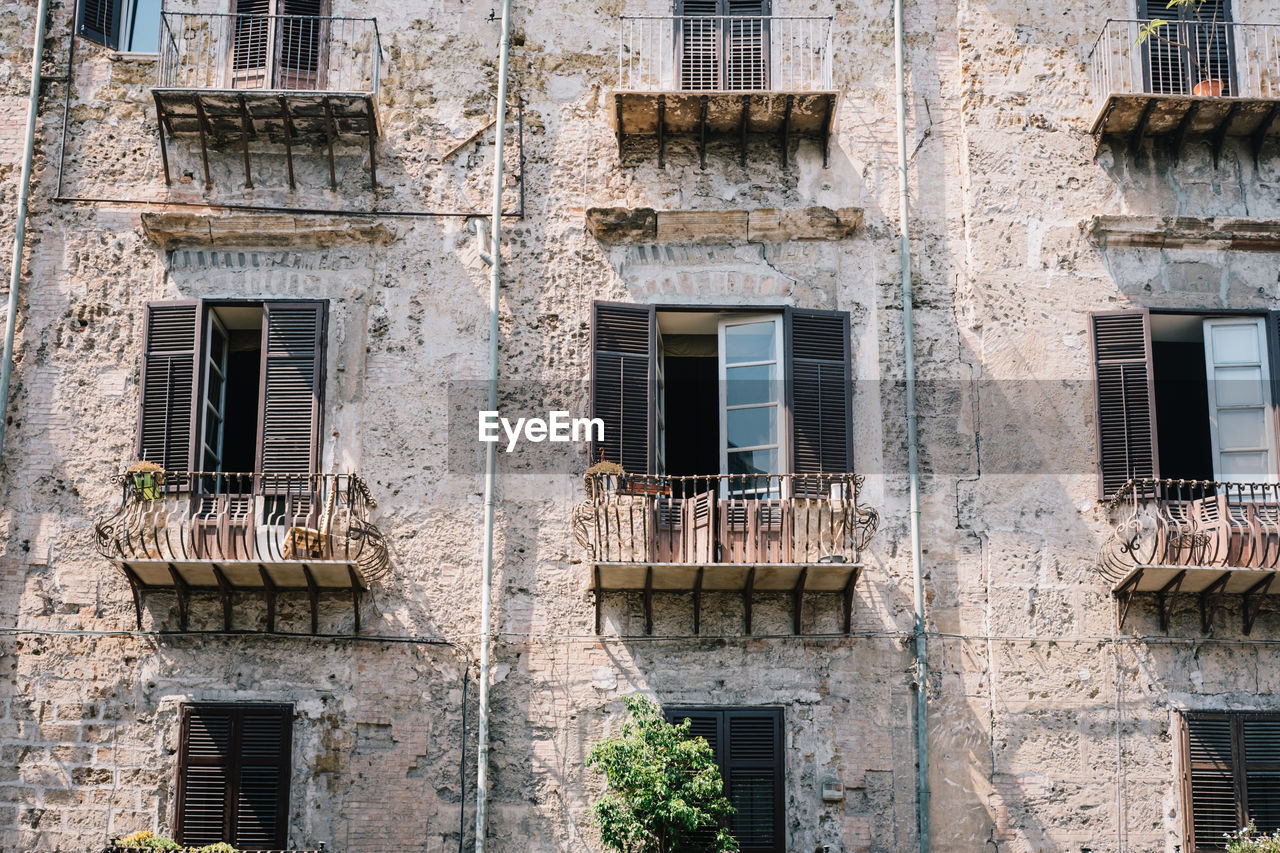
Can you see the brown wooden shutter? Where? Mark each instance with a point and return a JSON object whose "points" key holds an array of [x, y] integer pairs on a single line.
{"points": [[753, 770], [746, 43], [254, 31], [699, 44], [233, 775], [707, 725], [1214, 799], [302, 33], [292, 387], [622, 382], [100, 21], [820, 391], [1127, 443], [170, 373]]}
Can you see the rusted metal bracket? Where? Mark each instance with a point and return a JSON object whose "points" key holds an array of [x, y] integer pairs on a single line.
{"points": [[1140, 129], [1162, 598], [1124, 595], [269, 593], [1184, 126], [313, 597], [1248, 610], [246, 127], [139, 591], [748, 593], [797, 601], [697, 602], [184, 595], [162, 124], [224, 596], [205, 131], [1260, 135], [330, 132], [1209, 590], [288, 137], [648, 600]]}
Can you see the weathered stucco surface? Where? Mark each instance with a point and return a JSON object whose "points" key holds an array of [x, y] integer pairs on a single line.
{"points": [[1050, 728]]}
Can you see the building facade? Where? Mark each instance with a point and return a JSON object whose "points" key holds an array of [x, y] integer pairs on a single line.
{"points": [[256, 260]]}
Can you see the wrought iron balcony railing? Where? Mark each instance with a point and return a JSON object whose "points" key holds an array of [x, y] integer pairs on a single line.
{"points": [[726, 53], [183, 518], [733, 518], [285, 53]]}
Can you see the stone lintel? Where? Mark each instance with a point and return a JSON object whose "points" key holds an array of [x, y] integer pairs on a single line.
{"points": [[1183, 232], [186, 230], [625, 225]]}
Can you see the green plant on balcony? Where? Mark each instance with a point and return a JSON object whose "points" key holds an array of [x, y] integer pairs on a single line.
{"points": [[1158, 30], [146, 840], [148, 479], [663, 787], [1250, 840]]}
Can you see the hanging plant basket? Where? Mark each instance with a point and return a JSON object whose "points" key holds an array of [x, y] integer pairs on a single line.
{"points": [[148, 479]]}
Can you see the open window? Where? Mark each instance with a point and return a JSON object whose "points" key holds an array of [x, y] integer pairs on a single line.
{"points": [[1186, 396], [233, 776], [723, 44], [279, 44], [1191, 54], [132, 26]]}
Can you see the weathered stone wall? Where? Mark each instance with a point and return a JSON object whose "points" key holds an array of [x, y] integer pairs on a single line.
{"points": [[1050, 728]]}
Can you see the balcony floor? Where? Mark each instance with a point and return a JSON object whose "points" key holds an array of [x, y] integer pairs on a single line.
{"points": [[702, 114], [1176, 117], [224, 118], [745, 578]]}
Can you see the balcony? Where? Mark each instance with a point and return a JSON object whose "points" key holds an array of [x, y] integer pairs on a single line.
{"points": [[1194, 537], [234, 80], [718, 75], [191, 531], [781, 533], [1210, 80]]}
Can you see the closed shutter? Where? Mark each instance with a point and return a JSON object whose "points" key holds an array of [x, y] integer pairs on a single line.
{"points": [[1127, 443], [253, 40], [1260, 737], [622, 384], [301, 37], [1214, 799], [100, 21], [746, 45], [233, 775], [821, 392], [754, 779], [166, 433], [706, 725], [699, 44], [292, 387]]}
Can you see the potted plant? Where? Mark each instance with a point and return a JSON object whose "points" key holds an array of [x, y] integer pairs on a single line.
{"points": [[1207, 84], [1250, 840], [603, 478], [148, 479], [663, 787], [144, 840]]}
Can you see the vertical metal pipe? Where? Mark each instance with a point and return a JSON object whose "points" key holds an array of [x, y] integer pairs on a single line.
{"points": [[490, 458], [913, 455], [20, 224]]}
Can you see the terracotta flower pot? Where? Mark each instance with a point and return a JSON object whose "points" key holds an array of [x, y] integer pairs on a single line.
{"points": [[1209, 88]]}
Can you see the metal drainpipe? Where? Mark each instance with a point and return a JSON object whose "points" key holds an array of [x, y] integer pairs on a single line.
{"points": [[913, 455], [490, 456], [20, 224]]}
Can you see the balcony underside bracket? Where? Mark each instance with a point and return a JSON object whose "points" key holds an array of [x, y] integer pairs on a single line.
{"points": [[162, 125], [847, 595], [202, 122], [330, 133], [136, 586], [1180, 135], [1140, 129], [748, 592], [246, 130], [313, 598], [1248, 610], [797, 602], [785, 135], [1220, 132], [1162, 598], [1260, 135], [662, 130], [356, 590], [269, 592], [1211, 589], [828, 123], [286, 121], [1125, 595], [224, 595], [702, 133], [648, 601], [697, 603], [599, 593]]}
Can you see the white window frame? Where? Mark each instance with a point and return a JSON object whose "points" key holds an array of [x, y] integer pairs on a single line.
{"points": [[780, 382], [1260, 324]]}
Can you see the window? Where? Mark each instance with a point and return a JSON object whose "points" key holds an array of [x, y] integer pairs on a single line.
{"points": [[278, 44], [128, 25], [696, 392], [1230, 775], [1186, 396], [233, 776], [233, 386], [1194, 47], [723, 44], [748, 744]]}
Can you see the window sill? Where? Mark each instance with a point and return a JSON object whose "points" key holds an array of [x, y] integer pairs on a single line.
{"points": [[141, 56]]}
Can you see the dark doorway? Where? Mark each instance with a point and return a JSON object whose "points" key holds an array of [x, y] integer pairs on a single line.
{"points": [[1182, 410], [240, 428], [693, 415]]}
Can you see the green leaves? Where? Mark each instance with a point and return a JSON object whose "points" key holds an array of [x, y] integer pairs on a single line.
{"points": [[1249, 840], [664, 786]]}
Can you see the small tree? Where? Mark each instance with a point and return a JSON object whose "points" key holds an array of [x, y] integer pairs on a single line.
{"points": [[1157, 31], [664, 785]]}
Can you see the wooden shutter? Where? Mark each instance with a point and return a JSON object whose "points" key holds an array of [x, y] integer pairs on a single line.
{"points": [[301, 35], [1127, 443], [1212, 796], [1260, 739], [707, 725], [746, 45], [622, 382], [233, 775], [820, 392], [754, 778], [292, 387], [252, 46], [170, 374], [100, 21], [699, 44]]}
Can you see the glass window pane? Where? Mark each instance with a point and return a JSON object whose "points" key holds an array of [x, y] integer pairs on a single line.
{"points": [[1245, 464], [753, 384], [1242, 428], [752, 427], [753, 462], [144, 36], [1238, 386], [1235, 344], [750, 342]]}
